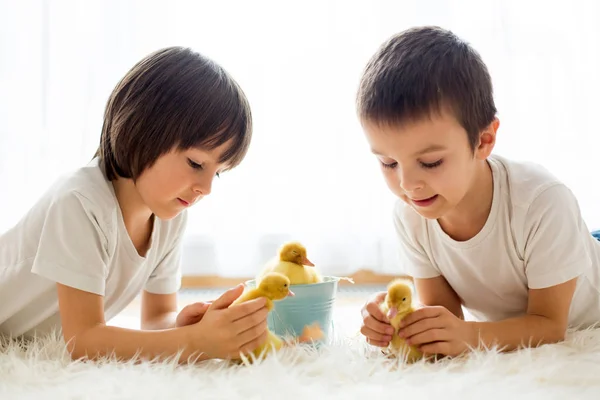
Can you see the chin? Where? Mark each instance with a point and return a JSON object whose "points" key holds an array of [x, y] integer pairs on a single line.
{"points": [[433, 212], [166, 215], [428, 214]]}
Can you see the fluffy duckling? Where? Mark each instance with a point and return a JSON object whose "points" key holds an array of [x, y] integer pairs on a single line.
{"points": [[274, 286], [293, 263], [397, 305]]}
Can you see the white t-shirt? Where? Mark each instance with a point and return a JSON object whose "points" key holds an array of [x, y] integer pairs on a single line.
{"points": [[534, 237], [75, 235]]}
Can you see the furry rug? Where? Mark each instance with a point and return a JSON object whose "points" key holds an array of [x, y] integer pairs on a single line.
{"points": [[348, 369]]}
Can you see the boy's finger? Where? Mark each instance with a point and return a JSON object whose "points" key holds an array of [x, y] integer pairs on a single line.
{"points": [[371, 335], [374, 311], [242, 310], [251, 333], [378, 326], [227, 298], [258, 317], [379, 297], [420, 314], [197, 308], [377, 343], [250, 346]]}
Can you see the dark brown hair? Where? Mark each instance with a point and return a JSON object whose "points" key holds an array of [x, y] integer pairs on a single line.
{"points": [[174, 98], [423, 70]]}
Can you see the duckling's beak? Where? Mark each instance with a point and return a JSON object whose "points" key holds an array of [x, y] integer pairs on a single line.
{"points": [[392, 312], [306, 261], [290, 294]]}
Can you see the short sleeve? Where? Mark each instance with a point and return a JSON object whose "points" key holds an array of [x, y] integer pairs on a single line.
{"points": [[413, 256], [72, 246], [555, 250], [166, 277]]}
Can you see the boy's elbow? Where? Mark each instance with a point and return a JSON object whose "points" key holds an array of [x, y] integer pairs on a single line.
{"points": [[556, 332], [559, 334], [81, 344]]}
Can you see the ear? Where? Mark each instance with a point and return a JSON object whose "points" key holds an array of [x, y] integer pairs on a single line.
{"points": [[487, 140]]}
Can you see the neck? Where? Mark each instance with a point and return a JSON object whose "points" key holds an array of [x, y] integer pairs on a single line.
{"points": [[136, 214], [471, 214]]}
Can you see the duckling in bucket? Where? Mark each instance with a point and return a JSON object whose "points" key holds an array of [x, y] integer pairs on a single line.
{"points": [[292, 261]]}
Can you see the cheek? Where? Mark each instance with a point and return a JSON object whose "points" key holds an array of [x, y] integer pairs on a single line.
{"points": [[452, 180], [392, 181], [159, 186]]}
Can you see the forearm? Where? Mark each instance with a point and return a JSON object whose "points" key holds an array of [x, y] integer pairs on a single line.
{"points": [[162, 321], [125, 344], [511, 334]]}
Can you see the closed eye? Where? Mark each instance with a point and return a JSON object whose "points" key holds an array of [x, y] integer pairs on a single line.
{"points": [[195, 165], [432, 165], [390, 166], [200, 167]]}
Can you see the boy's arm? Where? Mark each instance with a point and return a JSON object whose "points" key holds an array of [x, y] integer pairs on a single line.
{"points": [[159, 311], [546, 320], [555, 255], [438, 292], [86, 333]]}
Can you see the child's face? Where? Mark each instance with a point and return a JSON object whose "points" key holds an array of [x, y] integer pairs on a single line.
{"points": [[179, 179], [428, 164]]}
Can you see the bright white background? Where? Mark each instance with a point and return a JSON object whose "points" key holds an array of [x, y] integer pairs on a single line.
{"points": [[309, 174]]}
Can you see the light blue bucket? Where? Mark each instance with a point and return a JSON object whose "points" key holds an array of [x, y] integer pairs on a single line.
{"points": [[311, 303]]}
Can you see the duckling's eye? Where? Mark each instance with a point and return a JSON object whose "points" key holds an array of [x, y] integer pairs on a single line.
{"points": [[285, 285], [404, 299]]}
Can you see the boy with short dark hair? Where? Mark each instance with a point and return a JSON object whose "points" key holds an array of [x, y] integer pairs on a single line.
{"points": [[504, 239]]}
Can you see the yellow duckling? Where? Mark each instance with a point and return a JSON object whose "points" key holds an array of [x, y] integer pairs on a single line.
{"points": [[397, 305], [293, 263], [274, 286]]}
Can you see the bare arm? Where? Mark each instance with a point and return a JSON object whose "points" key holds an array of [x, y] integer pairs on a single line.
{"points": [[546, 320], [86, 333], [437, 331], [437, 292], [159, 311]]}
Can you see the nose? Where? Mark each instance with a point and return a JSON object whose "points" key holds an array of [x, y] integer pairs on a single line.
{"points": [[410, 181], [203, 185]]}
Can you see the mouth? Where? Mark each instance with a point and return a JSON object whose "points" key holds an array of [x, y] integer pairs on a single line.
{"points": [[424, 202], [290, 294], [183, 202]]}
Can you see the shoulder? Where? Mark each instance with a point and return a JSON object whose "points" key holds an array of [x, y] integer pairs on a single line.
{"points": [[523, 181], [540, 204], [531, 187], [85, 193]]}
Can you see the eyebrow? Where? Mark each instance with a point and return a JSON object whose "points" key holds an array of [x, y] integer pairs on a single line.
{"points": [[428, 149]]}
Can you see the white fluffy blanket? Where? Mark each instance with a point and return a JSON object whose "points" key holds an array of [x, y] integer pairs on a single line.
{"points": [[348, 369]]}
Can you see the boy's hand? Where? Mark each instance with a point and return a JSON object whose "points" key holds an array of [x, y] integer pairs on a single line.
{"points": [[435, 330], [191, 314], [225, 332], [376, 327]]}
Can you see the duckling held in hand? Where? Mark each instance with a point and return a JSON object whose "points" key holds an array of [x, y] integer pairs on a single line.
{"points": [[274, 286], [398, 304], [292, 261]]}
